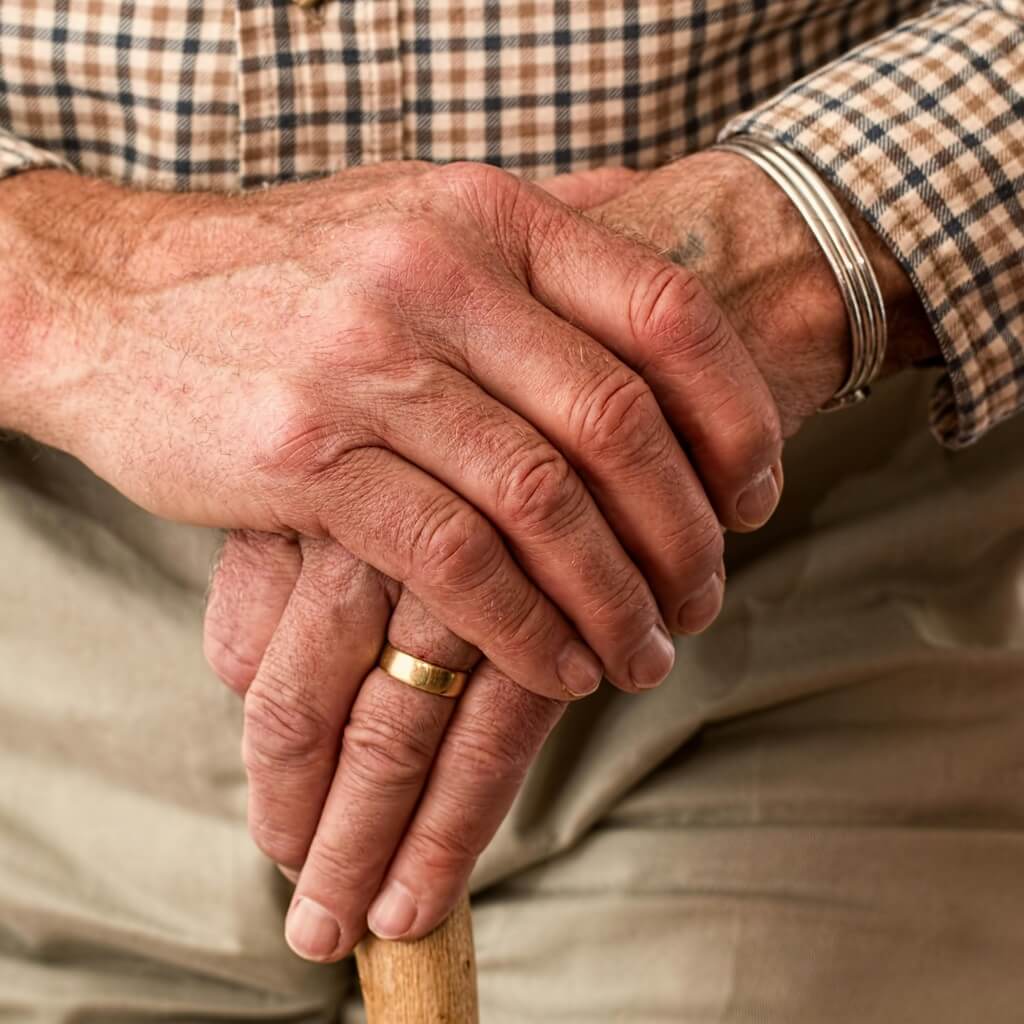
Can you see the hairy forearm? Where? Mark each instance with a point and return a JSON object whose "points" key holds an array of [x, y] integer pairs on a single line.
{"points": [[78, 258], [50, 238]]}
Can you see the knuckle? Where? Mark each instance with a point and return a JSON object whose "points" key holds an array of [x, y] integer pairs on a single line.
{"points": [[234, 665], [343, 865], [551, 228], [444, 851], [525, 628], [506, 710], [385, 752], [455, 548], [493, 757], [748, 437], [292, 435], [277, 841], [283, 729], [478, 181], [500, 733], [623, 605], [699, 547], [618, 417], [673, 314], [500, 204], [412, 259], [704, 337], [540, 490]]}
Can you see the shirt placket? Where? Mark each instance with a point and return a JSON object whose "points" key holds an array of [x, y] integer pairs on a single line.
{"points": [[320, 87]]}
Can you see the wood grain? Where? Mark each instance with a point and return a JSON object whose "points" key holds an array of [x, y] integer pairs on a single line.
{"points": [[430, 981]]}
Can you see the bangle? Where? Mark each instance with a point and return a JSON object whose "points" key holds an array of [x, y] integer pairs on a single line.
{"points": [[831, 228]]}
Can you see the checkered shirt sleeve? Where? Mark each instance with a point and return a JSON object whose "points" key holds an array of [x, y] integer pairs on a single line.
{"points": [[18, 155], [922, 130]]}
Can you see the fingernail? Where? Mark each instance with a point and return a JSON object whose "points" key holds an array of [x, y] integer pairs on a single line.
{"points": [[702, 609], [579, 670], [756, 504], [392, 913], [311, 931], [654, 660]]}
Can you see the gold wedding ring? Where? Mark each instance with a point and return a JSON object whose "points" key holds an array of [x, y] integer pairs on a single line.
{"points": [[442, 682]]}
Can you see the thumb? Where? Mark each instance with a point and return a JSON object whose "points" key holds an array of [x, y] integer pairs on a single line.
{"points": [[586, 189]]}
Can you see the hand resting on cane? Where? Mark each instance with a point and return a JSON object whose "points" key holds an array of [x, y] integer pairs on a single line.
{"points": [[395, 824]]}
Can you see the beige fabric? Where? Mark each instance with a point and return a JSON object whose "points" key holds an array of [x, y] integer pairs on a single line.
{"points": [[817, 819]]}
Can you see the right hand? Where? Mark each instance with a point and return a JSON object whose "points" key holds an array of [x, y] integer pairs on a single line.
{"points": [[415, 363]]}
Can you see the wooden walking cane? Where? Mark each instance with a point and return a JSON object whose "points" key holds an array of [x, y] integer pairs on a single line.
{"points": [[430, 981]]}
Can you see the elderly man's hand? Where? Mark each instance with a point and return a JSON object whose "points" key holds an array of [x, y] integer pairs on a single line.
{"points": [[422, 784], [422, 775], [445, 370]]}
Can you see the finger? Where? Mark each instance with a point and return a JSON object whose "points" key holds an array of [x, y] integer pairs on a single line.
{"points": [[494, 736], [389, 743], [328, 639], [249, 590], [525, 487], [606, 420], [407, 524], [663, 322], [585, 189]]}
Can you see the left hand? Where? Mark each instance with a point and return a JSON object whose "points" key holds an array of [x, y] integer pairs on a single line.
{"points": [[346, 764], [719, 215], [422, 783]]}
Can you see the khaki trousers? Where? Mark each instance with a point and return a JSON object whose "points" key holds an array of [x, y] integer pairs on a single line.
{"points": [[818, 819]]}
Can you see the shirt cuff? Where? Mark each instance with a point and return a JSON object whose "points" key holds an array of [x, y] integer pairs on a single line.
{"points": [[922, 131], [17, 155]]}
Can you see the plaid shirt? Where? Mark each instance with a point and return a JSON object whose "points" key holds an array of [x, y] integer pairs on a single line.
{"points": [[914, 112]]}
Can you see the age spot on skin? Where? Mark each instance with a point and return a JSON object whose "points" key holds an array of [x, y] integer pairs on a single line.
{"points": [[690, 252]]}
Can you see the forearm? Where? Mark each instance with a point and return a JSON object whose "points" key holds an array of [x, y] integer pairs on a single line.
{"points": [[75, 252], [49, 238]]}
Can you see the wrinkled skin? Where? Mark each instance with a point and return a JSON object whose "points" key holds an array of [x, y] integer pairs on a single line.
{"points": [[448, 372], [416, 773], [423, 396]]}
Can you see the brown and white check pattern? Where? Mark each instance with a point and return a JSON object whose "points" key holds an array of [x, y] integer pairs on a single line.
{"points": [[919, 120]]}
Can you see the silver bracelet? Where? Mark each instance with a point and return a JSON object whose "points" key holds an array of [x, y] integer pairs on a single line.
{"points": [[841, 246]]}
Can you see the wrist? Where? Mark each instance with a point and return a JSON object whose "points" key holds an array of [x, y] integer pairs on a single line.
{"points": [[720, 215], [41, 344], [806, 283], [911, 340], [66, 241]]}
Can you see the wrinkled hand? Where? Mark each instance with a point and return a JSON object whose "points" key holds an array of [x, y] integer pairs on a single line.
{"points": [[295, 626], [421, 785], [446, 371], [358, 784]]}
